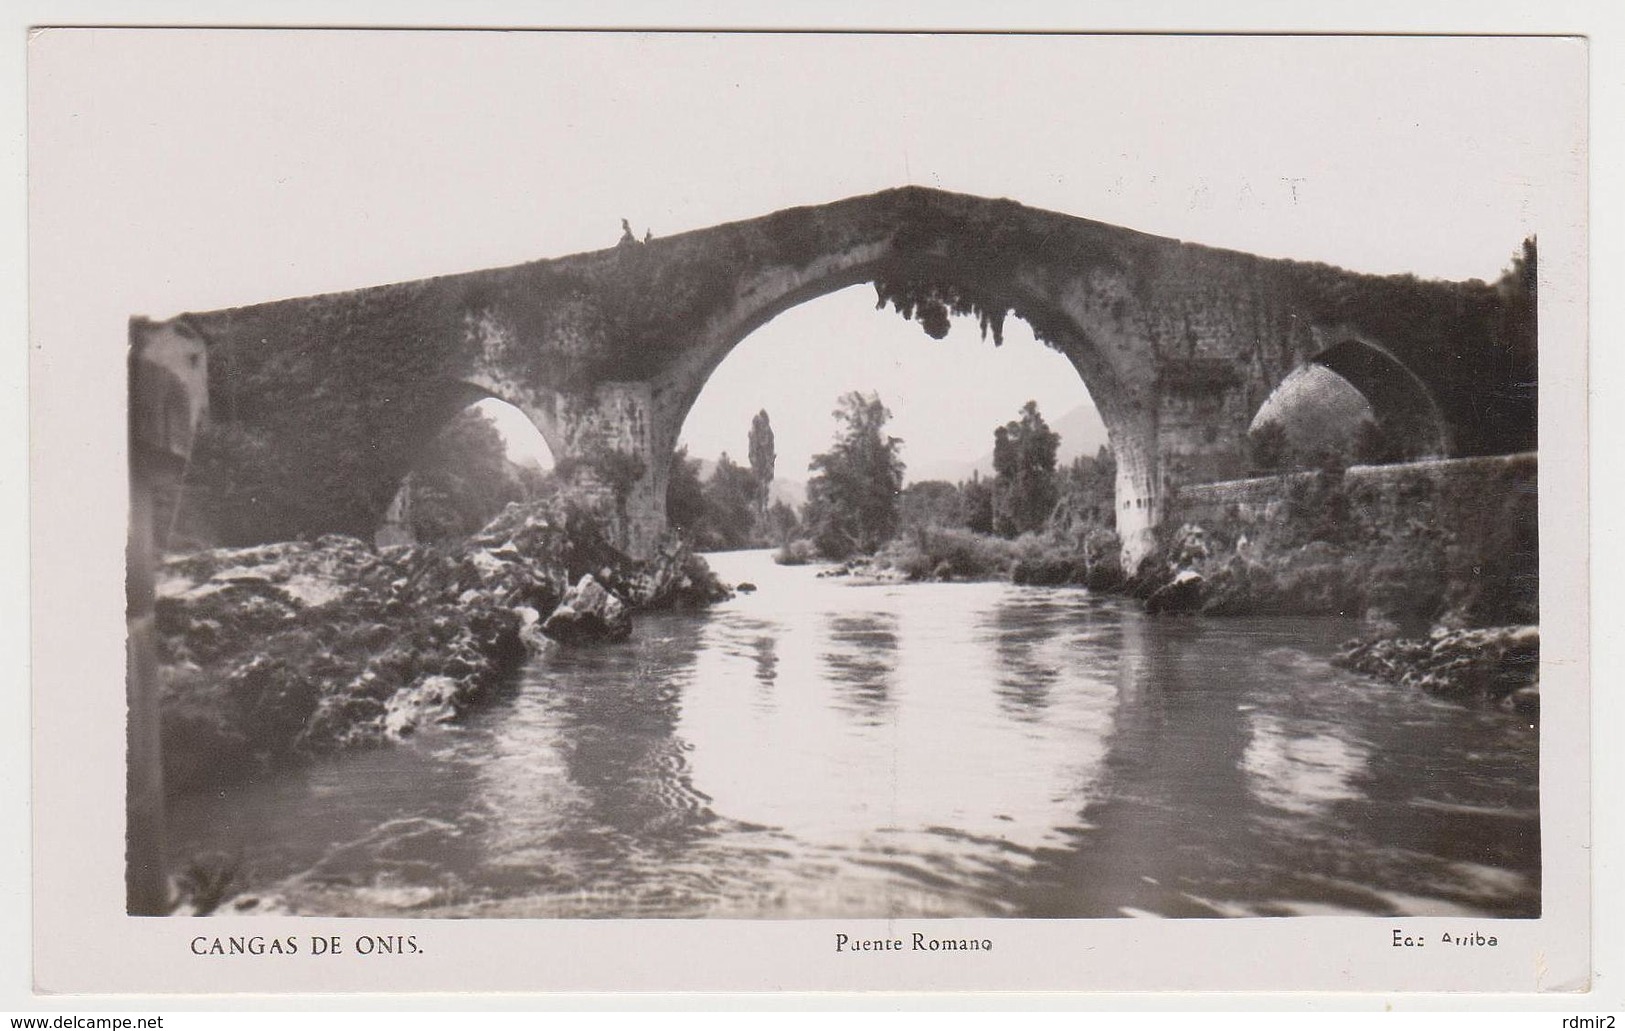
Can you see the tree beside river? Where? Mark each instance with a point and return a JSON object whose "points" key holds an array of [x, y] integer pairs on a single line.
{"points": [[852, 497]]}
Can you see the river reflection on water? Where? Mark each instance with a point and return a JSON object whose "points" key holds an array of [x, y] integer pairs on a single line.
{"points": [[827, 749]]}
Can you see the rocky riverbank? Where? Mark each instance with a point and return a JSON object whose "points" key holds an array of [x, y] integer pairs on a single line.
{"points": [[283, 650], [1441, 615], [1491, 663]]}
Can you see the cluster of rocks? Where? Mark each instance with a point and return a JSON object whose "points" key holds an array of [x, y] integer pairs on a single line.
{"points": [[301, 647], [1495, 663]]}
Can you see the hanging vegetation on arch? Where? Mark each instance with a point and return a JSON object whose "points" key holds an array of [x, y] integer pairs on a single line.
{"points": [[930, 303]]}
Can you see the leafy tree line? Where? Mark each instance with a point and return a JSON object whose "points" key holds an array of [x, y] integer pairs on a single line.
{"points": [[463, 478], [1029, 491], [730, 509], [856, 503]]}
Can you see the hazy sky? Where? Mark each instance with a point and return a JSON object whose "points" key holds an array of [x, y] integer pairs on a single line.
{"points": [[188, 170]]}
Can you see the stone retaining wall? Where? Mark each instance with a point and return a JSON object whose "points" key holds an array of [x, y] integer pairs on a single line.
{"points": [[1386, 493]]}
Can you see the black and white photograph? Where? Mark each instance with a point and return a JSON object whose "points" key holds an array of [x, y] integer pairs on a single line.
{"points": [[891, 490]]}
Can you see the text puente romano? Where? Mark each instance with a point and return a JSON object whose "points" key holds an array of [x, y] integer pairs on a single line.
{"points": [[1178, 344]]}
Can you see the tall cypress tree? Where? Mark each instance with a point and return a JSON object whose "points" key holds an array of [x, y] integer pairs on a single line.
{"points": [[761, 458]]}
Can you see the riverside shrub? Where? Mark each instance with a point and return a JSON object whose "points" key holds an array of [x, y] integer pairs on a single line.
{"points": [[941, 552]]}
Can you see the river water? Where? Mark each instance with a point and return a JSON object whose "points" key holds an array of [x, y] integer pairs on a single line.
{"points": [[824, 748]]}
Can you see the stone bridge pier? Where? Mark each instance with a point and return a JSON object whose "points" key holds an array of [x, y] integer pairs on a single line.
{"points": [[320, 403]]}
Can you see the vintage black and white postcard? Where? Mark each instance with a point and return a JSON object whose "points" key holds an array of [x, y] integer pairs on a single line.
{"points": [[554, 510]]}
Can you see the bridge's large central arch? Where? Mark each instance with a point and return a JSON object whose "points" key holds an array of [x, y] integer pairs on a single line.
{"points": [[926, 288], [606, 352]]}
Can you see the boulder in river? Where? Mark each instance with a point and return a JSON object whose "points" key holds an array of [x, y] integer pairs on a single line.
{"points": [[589, 614], [1182, 594]]}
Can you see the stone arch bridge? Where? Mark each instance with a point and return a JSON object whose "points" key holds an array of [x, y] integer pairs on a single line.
{"points": [[320, 404]]}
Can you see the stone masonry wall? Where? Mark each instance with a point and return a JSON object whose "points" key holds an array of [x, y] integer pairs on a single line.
{"points": [[1452, 541], [1387, 493]]}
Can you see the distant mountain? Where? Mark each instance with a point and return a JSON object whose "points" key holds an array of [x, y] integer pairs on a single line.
{"points": [[1082, 433], [1081, 430], [791, 492]]}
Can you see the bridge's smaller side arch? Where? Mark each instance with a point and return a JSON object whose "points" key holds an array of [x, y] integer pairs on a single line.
{"points": [[1405, 408], [542, 411], [403, 521], [1349, 381]]}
